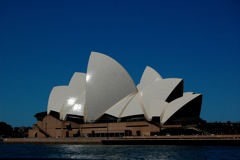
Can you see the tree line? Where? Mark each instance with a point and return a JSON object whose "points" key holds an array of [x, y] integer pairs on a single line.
{"points": [[7, 131]]}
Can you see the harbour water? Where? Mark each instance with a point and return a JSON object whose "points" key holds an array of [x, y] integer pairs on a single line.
{"points": [[130, 152]]}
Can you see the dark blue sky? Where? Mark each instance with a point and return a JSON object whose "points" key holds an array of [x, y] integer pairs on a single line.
{"points": [[42, 43]]}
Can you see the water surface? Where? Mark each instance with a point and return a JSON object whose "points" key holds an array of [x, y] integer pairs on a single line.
{"points": [[111, 152]]}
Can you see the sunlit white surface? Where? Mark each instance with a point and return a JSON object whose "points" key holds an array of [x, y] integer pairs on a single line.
{"points": [[77, 84], [117, 109], [149, 76], [132, 108], [74, 92], [56, 98], [76, 109], [153, 108], [71, 101], [175, 105], [88, 77], [160, 89], [109, 83]]}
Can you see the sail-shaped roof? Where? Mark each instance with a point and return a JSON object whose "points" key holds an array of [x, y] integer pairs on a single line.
{"points": [[56, 98], [179, 103], [108, 91], [118, 108], [107, 83], [161, 89], [149, 76], [132, 108], [74, 91]]}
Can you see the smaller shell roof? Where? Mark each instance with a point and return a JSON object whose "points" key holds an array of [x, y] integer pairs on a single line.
{"points": [[133, 108], [175, 105], [76, 107], [149, 76], [56, 98], [78, 79], [74, 93], [154, 108], [161, 89], [117, 109]]}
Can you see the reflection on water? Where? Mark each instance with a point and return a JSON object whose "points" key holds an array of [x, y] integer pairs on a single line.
{"points": [[118, 152], [113, 152]]}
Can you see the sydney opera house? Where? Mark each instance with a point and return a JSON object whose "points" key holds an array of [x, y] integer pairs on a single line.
{"points": [[106, 102]]}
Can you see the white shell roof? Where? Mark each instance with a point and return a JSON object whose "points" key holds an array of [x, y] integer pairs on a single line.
{"points": [[149, 76], [107, 83], [108, 88], [76, 107], [160, 89], [78, 79], [175, 105], [154, 108], [56, 98], [117, 109], [132, 108], [76, 88]]}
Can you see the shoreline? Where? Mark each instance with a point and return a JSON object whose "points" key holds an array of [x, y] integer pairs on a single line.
{"points": [[78, 140], [223, 140]]}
